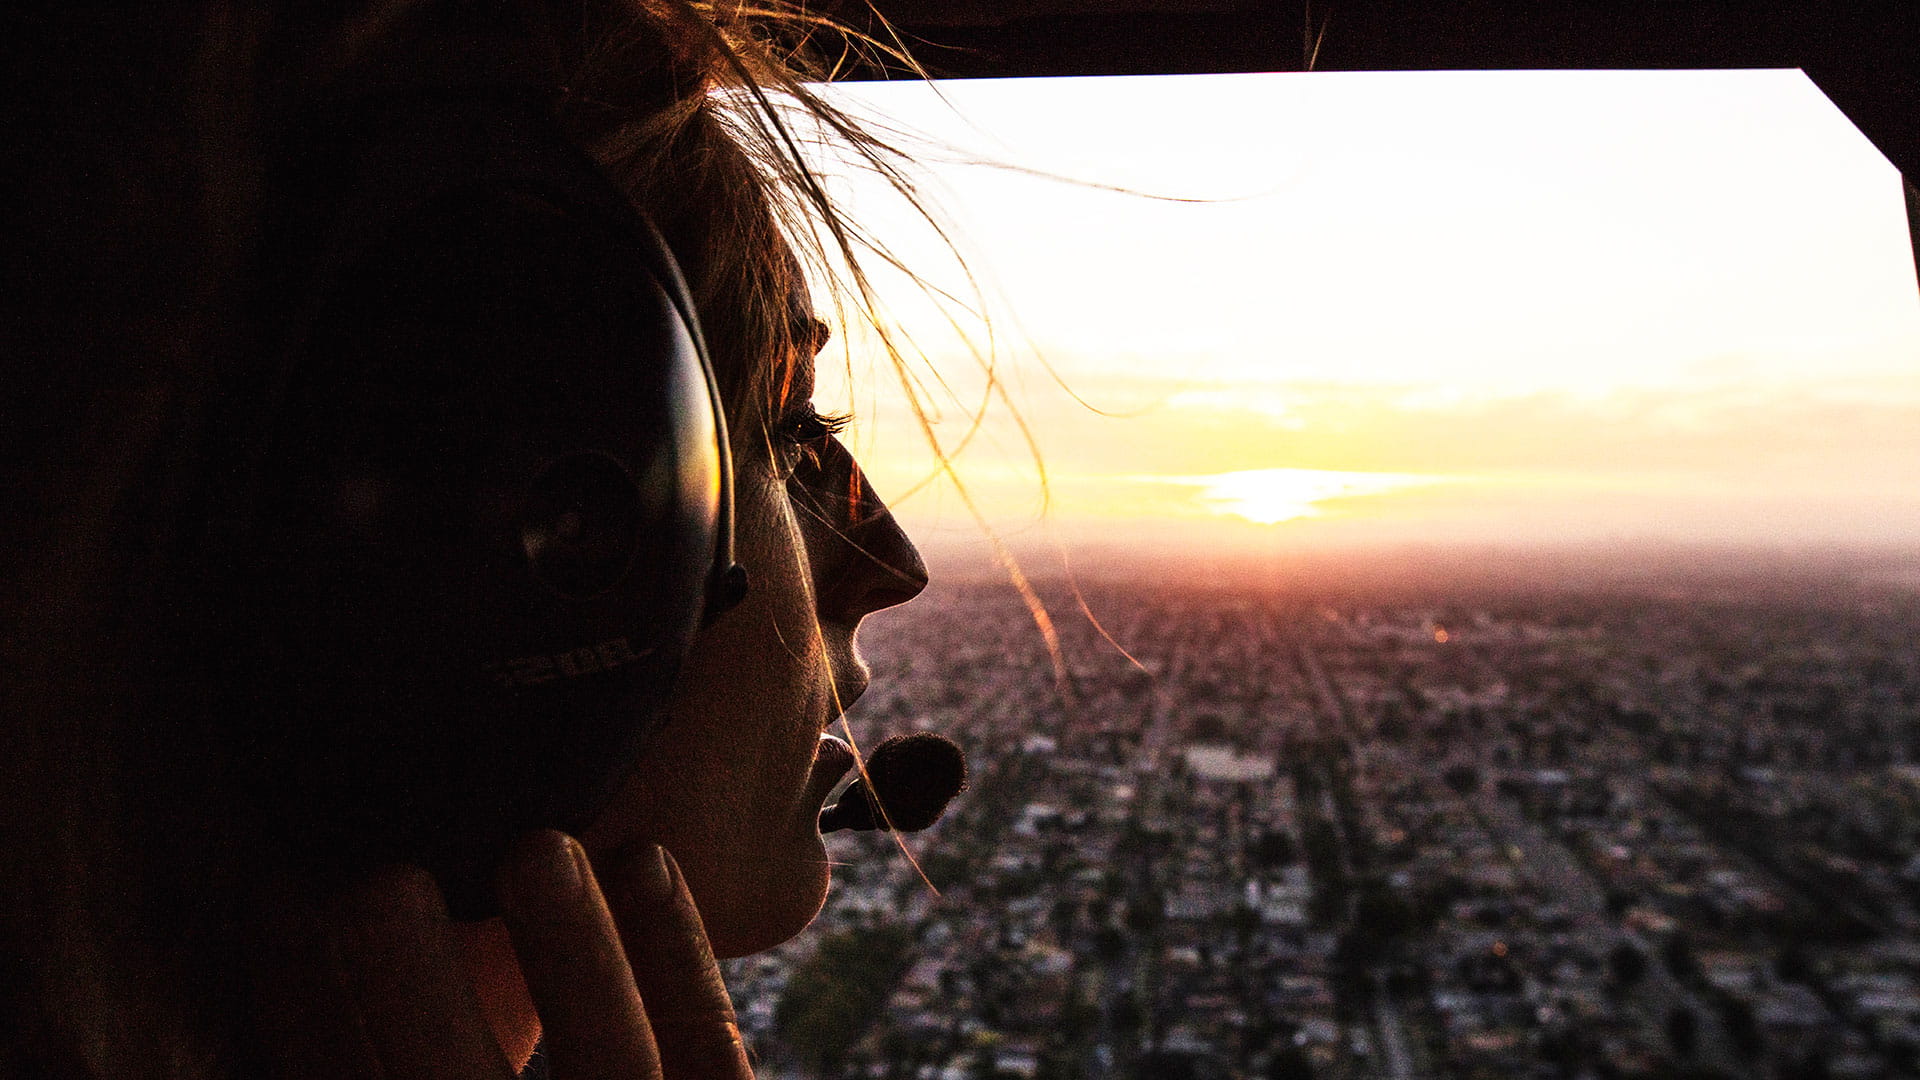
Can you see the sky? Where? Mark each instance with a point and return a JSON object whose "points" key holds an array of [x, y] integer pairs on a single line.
{"points": [[1265, 312]]}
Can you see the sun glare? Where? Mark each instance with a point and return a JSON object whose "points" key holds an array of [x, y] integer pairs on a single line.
{"points": [[1270, 496]]}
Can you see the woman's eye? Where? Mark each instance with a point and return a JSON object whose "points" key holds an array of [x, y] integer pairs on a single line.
{"points": [[808, 426], [803, 432]]}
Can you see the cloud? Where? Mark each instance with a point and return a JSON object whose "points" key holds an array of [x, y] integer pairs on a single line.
{"points": [[1270, 496], [1723, 460], [1857, 436]]}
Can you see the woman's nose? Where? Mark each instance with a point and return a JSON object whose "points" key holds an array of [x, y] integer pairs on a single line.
{"points": [[880, 568], [863, 561]]}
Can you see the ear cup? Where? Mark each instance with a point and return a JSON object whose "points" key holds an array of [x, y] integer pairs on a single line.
{"points": [[486, 522]]}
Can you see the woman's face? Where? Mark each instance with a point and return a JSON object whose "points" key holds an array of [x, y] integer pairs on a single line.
{"points": [[733, 784]]}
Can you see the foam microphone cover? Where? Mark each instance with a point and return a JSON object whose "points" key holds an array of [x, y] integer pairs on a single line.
{"points": [[913, 777]]}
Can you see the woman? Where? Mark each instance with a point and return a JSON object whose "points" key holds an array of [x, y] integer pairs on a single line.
{"points": [[141, 939]]}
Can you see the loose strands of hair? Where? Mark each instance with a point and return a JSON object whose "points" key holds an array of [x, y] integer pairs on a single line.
{"points": [[799, 197]]}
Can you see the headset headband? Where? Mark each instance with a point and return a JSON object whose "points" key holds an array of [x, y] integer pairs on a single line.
{"points": [[488, 501]]}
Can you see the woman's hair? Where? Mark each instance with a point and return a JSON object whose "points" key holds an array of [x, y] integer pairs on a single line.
{"points": [[701, 117], [130, 300], [657, 102]]}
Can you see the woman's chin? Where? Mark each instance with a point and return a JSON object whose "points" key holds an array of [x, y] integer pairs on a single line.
{"points": [[741, 922]]}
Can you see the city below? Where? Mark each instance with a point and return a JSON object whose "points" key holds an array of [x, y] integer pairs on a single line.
{"points": [[1633, 826]]}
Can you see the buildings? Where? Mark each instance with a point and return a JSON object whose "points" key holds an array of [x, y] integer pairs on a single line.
{"points": [[1543, 834]]}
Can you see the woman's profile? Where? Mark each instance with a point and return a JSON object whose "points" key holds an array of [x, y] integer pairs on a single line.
{"points": [[162, 917]]}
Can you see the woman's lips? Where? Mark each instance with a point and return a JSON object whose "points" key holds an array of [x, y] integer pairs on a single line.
{"points": [[831, 763]]}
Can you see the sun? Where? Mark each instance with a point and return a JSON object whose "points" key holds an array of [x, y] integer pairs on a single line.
{"points": [[1270, 496]]}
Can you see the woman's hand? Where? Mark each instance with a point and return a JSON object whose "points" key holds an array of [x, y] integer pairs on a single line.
{"points": [[643, 1000], [631, 991]]}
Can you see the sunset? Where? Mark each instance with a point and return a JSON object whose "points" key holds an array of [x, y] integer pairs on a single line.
{"points": [[1523, 308], [1270, 496]]}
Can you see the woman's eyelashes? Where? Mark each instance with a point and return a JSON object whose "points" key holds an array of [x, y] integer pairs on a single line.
{"points": [[802, 434]]}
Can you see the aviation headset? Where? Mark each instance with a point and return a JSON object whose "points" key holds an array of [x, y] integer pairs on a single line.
{"points": [[487, 501]]}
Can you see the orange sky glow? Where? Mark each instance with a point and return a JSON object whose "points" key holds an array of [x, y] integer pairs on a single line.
{"points": [[1337, 309]]}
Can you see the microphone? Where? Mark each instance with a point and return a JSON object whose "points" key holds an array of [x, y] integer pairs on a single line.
{"points": [[911, 777]]}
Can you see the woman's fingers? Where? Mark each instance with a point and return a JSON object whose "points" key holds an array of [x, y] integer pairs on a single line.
{"points": [[405, 1000], [417, 1008], [674, 968], [594, 1025]]}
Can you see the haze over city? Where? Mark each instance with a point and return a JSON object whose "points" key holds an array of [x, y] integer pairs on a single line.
{"points": [[1534, 310]]}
